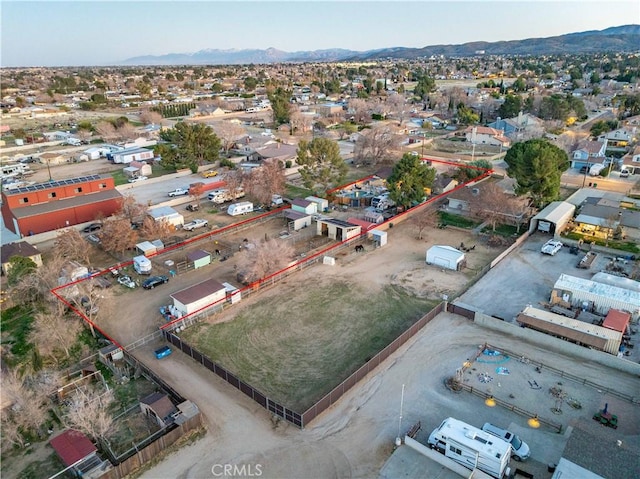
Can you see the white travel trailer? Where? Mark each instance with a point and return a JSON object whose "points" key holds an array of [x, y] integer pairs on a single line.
{"points": [[472, 447], [241, 208], [142, 264]]}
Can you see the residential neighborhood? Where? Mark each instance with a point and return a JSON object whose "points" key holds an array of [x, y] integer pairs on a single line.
{"points": [[317, 268]]}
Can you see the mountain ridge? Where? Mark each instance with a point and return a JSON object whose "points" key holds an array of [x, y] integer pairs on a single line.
{"points": [[618, 39]]}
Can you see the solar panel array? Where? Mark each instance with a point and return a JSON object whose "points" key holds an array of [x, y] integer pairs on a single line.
{"points": [[53, 184]]}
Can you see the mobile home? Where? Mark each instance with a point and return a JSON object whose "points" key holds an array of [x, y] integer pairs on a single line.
{"points": [[241, 208]]}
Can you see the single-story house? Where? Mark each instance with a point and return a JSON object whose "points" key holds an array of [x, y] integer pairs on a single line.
{"points": [[138, 168], [199, 258], [20, 248], [168, 214], [553, 218], [446, 257], [297, 220], [304, 206], [159, 407], [524, 123], [444, 184], [199, 297], [483, 135], [335, 229]]}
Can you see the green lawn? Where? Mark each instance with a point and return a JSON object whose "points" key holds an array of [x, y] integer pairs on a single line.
{"points": [[457, 220], [297, 345], [16, 325], [503, 230], [293, 191]]}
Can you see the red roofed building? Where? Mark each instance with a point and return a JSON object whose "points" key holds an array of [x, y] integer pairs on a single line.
{"points": [[53, 205], [617, 320], [75, 449]]}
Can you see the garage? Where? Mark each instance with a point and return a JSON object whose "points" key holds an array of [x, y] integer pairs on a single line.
{"points": [[168, 214], [199, 297], [553, 219], [446, 257]]}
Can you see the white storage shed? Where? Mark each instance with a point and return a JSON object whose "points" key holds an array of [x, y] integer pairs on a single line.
{"points": [[304, 206], [323, 203], [147, 248], [296, 220], [233, 294], [199, 297], [168, 214], [446, 257]]}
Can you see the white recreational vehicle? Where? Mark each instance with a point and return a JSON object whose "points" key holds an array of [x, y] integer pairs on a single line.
{"points": [[241, 208], [472, 447], [382, 202], [142, 264]]}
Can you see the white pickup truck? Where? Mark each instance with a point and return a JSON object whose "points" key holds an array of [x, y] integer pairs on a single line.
{"points": [[178, 192]]}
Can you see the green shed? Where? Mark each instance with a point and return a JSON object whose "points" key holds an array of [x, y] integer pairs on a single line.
{"points": [[199, 258]]}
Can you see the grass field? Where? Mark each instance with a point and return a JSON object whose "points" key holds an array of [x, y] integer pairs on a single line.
{"points": [[296, 347]]}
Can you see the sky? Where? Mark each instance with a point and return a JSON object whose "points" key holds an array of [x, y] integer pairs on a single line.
{"points": [[77, 33]]}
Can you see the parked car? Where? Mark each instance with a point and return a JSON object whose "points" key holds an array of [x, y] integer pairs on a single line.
{"points": [[178, 192], [162, 352], [92, 227], [624, 174], [192, 207], [154, 281], [584, 170], [93, 239], [126, 281], [551, 247], [136, 179], [192, 225], [209, 174], [519, 449]]}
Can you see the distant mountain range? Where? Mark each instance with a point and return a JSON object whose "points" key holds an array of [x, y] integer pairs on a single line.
{"points": [[614, 39]]}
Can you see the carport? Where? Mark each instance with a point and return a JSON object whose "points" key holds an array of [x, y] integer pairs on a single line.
{"points": [[553, 219]]}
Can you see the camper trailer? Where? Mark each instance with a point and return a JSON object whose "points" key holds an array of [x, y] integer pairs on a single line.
{"points": [[382, 202], [142, 264], [241, 208], [472, 447]]}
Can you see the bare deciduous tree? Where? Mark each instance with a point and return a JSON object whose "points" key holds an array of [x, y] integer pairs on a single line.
{"points": [[131, 209], [234, 180], [150, 117], [360, 110], [127, 132], [37, 285], [376, 145], [397, 105], [229, 133], [89, 412], [71, 245], [153, 229], [106, 131], [494, 205], [53, 332], [195, 191], [265, 258], [265, 181], [426, 218], [117, 235]]}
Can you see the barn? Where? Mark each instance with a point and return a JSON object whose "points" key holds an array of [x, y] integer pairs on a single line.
{"points": [[446, 257], [199, 297], [335, 229]]}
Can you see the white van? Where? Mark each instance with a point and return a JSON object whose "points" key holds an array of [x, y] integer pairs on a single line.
{"points": [[519, 449], [241, 208]]}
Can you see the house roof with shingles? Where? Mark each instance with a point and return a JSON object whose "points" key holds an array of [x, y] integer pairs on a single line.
{"points": [[596, 448], [21, 248], [160, 404], [591, 147]]}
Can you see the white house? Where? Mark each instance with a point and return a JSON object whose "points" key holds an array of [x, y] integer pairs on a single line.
{"points": [[483, 135], [446, 257], [631, 161], [199, 297], [617, 138], [130, 154]]}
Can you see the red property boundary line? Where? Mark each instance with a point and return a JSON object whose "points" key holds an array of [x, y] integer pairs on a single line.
{"points": [[54, 291]]}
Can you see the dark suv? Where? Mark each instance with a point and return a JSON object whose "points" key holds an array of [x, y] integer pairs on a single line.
{"points": [[154, 281], [92, 227]]}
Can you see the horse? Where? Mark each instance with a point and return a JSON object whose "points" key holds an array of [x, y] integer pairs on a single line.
{"points": [[359, 248]]}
